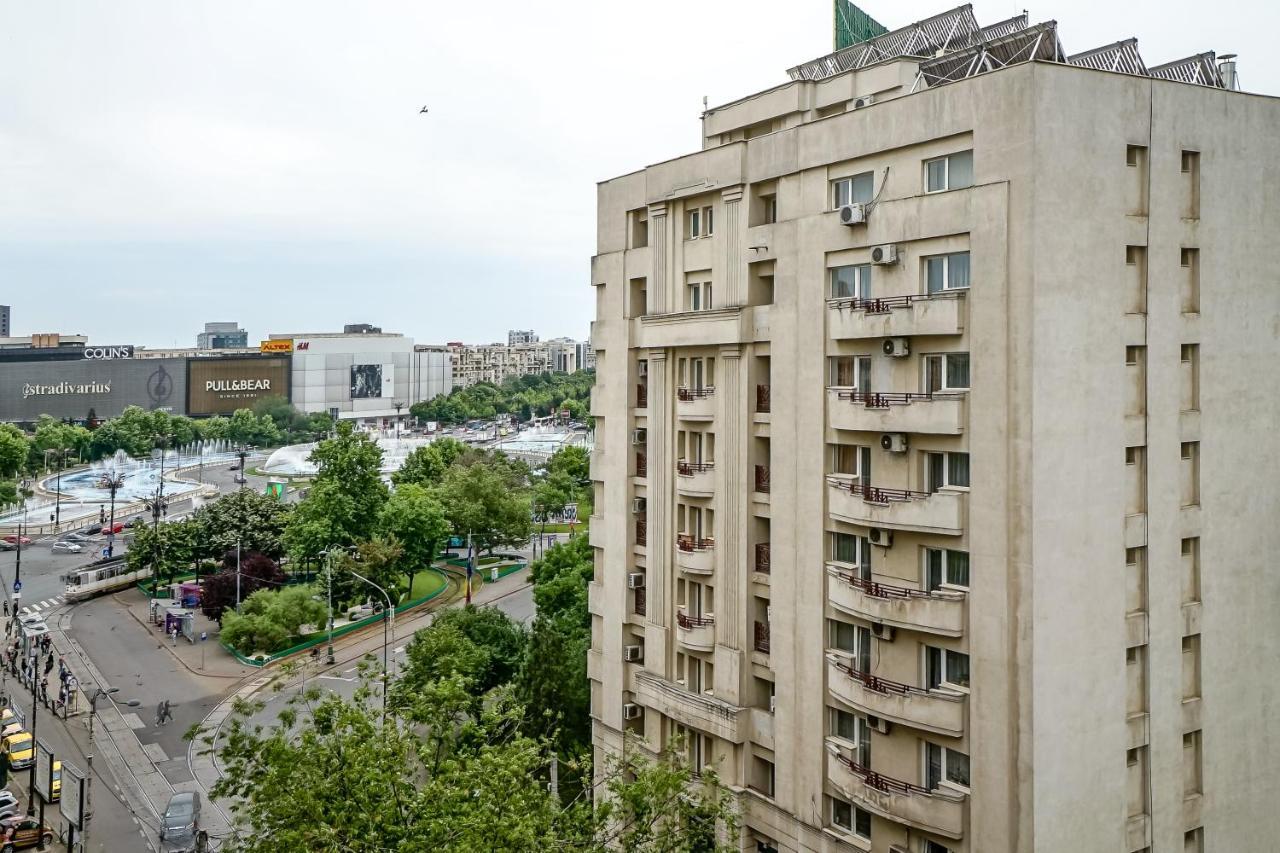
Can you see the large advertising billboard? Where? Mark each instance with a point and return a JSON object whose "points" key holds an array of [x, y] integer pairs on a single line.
{"points": [[91, 388], [372, 381], [219, 386]]}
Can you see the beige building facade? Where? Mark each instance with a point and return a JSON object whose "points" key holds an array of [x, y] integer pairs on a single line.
{"points": [[941, 523], [496, 362]]}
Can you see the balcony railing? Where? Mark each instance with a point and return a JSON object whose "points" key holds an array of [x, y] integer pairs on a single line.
{"points": [[884, 399], [642, 531], [642, 465], [880, 590], [641, 601], [688, 469], [762, 478], [642, 396], [684, 620], [685, 542], [879, 781], [876, 494], [686, 395], [762, 557], [762, 637], [878, 684], [886, 304], [762, 399]]}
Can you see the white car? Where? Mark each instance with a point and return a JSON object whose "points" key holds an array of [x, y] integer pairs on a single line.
{"points": [[65, 547], [8, 803]]}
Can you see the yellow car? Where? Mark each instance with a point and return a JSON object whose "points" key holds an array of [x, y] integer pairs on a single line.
{"points": [[57, 780], [19, 750]]}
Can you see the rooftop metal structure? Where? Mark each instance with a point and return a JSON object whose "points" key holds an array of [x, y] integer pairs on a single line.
{"points": [[951, 46], [852, 25]]}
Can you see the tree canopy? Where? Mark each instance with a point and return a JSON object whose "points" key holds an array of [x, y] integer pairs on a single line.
{"points": [[346, 495], [538, 394]]}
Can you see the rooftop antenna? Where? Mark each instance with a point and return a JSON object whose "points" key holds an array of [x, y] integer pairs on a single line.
{"points": [[704, 103], [1227, 68]]}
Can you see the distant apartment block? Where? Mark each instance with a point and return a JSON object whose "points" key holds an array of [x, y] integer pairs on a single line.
{"points": [[222, 336], [935, 451], [496, 362]]}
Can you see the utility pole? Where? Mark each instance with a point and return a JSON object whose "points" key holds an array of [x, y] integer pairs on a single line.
{"points": [[398, 406], [237, 576], [112, 481], [471, 564], [388, 624], [17, 568], [328, 575]]}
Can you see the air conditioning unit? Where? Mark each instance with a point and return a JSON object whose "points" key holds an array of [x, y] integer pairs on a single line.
{"points": [[773, 704], [632, 711], [639, 436], [896, 347], [635, 580], [853, 214], [880, 536], [642, 368], [864, 101], [638, 505], [894, 442], [881, 631], [886, 254], [768, 613], [633, 654], [880, 724]]}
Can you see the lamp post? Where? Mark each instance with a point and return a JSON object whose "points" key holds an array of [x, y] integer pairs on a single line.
{"points": [[60, 453], [98, 693], [330, 556], [242, 451], [398, 406], [388, 625], [111, 481], [17, 566]]}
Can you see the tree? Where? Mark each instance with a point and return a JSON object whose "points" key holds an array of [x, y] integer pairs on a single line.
{"points": [[14, 448], [168, 549], [53, 434], [426, 465], [573, 460], [269, 618], [247, 428], [525, 396], [346, 495], [417, 521], [378, 559], [554, 492], [256, 572], [256, 521], [133, 431], [482, 644], [479, 501]]}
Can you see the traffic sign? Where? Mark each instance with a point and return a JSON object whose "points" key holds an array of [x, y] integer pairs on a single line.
{"points": [[17, 586]]}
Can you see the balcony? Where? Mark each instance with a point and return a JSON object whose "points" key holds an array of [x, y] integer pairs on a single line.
{"points": [[893, 316], [696, 404], [696, 632], [642, 531], [940, 811], [942, 511], [762, 399], [642, 395], [762, 558], [696, 478], [937, 711], [931, 413], [762, 637], [938, 612], [695, 555], [762, 478], [701, 711], [642, 465]]}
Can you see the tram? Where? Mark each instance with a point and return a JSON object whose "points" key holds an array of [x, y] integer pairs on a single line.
{"points": [[102, 578]]}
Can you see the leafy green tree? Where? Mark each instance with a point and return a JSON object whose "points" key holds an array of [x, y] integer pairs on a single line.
{"points": [[247, 428], [254, 520], [133, 431], [215, 428], [378, 559], [573, 460], [346, 495], [416, 519], [290, 607], [252, 633], [14, 448], [554, 492], [168, 549], [53, 434], [525, 396], [481, 643], [426, 465], [257, 571], [479, 501]]}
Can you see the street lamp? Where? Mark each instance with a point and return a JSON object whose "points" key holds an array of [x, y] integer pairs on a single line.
{"points": [[388, 624], [61, 454], [243, 451], [111, 481], [98, 693], [330, 556], [397, 406]]}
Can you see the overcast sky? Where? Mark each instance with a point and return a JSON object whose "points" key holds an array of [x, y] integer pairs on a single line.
{"points": [[166, 163]]}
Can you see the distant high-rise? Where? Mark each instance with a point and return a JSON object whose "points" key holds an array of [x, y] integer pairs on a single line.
{"points": [[222, 336], [361, 329], [516, 337], [4, 321]]}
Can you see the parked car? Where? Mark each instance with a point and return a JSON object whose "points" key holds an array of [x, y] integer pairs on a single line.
{"points": [[8, 803], [20, 832], [180, 823], [14, 538], [78, 538], [136, 521], [57, 781], [93, 529], [112, 528], [65, 547], [7, 546], [19, 750]]}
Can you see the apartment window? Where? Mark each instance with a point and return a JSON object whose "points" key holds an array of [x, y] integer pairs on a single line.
{"points": [[854, 729], [1190, 260], [851, 282], [850, 371], [935, 847], [1133, 154], [946, 272], [1191, 168], [859, 188], [1193, 841], [639, 219], [1133, 354], [851, 549], [700, 223], [948, 173], [946, 372], [850, 818], [947, 470], [945, 668], [855, 641], [700, 296], [942, 764], [762, 775], [1190, 377], [1192, 764], [769, 208], [851, 460], [944, 567], [1190, 569], [1191, 667]]}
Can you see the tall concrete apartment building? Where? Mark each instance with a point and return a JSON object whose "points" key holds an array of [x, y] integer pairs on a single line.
{"points": [[936, 441]]}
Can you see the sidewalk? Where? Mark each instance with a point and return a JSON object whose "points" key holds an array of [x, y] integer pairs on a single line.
{"points": [[203, 658]]}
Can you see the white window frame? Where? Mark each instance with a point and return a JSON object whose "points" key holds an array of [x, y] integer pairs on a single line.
{"points": [[852, 828], [946, 469], [945, 258], [861, 740], [945, 160], [944, 753], [861, 366], [700, 222], [862, 650], [862, 281], [700, 296], [943, 658], [842, 190], [861, 549], [943, 357], [861, 458], [946, 582]]}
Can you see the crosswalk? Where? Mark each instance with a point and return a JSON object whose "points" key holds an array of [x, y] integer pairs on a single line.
{"points": [[47, 604]]}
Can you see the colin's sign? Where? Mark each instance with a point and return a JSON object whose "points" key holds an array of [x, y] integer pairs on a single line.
{"points": [[107, 353]]}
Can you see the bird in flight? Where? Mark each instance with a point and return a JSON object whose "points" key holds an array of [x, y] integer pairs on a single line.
{"points": [[423, 110]]}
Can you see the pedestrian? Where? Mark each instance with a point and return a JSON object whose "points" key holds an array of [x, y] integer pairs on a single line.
{"points": [[48, 665], [6, 608]]}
